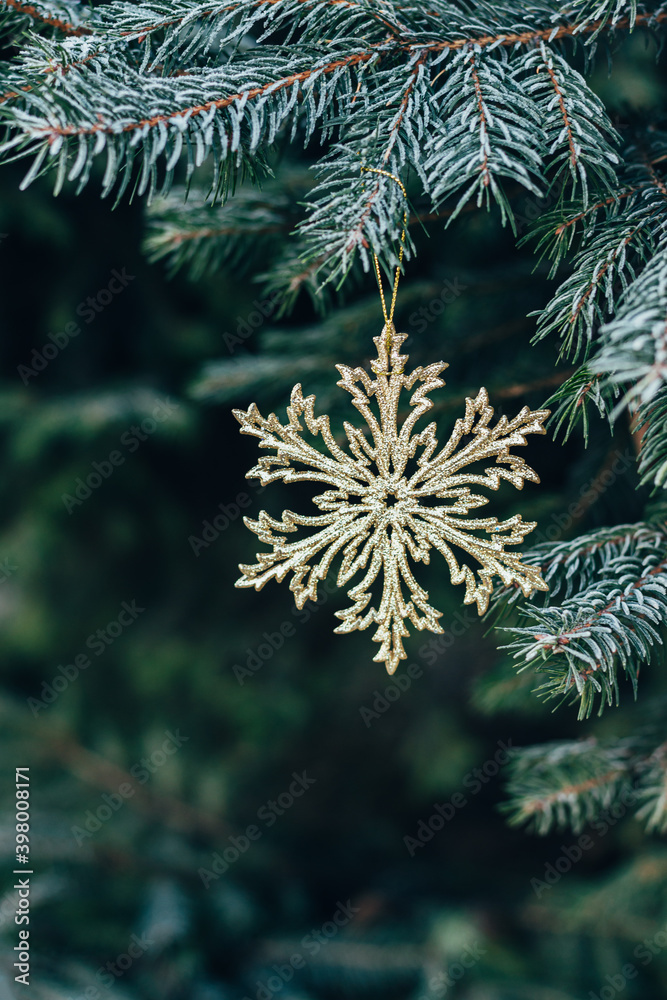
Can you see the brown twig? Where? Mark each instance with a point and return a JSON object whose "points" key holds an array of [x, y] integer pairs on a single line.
{"points": [[595, 283], [54, 22], [543, 803], [481, 41], [566, 117], [484, 169], [101, 773], [565, 637], [355, 59], [203, 234]]}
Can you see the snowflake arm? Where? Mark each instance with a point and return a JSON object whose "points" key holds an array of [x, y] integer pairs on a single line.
{"points": [[338, 531], [487, 442]]}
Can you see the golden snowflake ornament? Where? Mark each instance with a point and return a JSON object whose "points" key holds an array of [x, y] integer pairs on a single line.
{"points": [[394, 497]]}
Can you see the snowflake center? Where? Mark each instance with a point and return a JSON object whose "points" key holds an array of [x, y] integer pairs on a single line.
{"points": [[390, 494]]}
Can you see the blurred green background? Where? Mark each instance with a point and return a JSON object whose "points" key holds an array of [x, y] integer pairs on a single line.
{"points": [[202, 746]]}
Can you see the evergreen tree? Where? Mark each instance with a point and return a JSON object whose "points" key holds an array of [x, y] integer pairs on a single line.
{"points": [[251, 131]]}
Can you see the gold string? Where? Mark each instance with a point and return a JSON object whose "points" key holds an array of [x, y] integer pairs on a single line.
{"points": [[389, 317]]}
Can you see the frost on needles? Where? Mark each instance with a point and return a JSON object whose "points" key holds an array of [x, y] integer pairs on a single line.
{"points": [[187, 105]]}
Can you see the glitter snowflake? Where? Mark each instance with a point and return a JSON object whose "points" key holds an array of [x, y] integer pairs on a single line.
{"points": [[394, 497]]}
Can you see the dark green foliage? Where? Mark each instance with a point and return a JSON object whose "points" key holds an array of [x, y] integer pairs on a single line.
{"points": [[230, 139]]}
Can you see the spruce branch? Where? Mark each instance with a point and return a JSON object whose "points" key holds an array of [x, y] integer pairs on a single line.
{"points": [[617, 237], [572, 29], [489, 130], [651, 420], [493, 25], [568, 784], [555, 232], [652, 791], [570, 110], [572, 401], [614, 619], [184, 120], [13, 85], [95, 770], [565, 785], [180, 82], [64, 16], [572, 566], [203, 237], [633, 350], [353, 210], [587, 296], [606, 12]]}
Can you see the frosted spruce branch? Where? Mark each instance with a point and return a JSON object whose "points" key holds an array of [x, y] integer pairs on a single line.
{"points": [[565, 785], [633, 350], [571, 784], [154, 92], [611, 618]]}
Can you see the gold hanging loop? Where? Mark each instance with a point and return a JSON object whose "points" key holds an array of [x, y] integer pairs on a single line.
{"points": [[389, 317]]}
